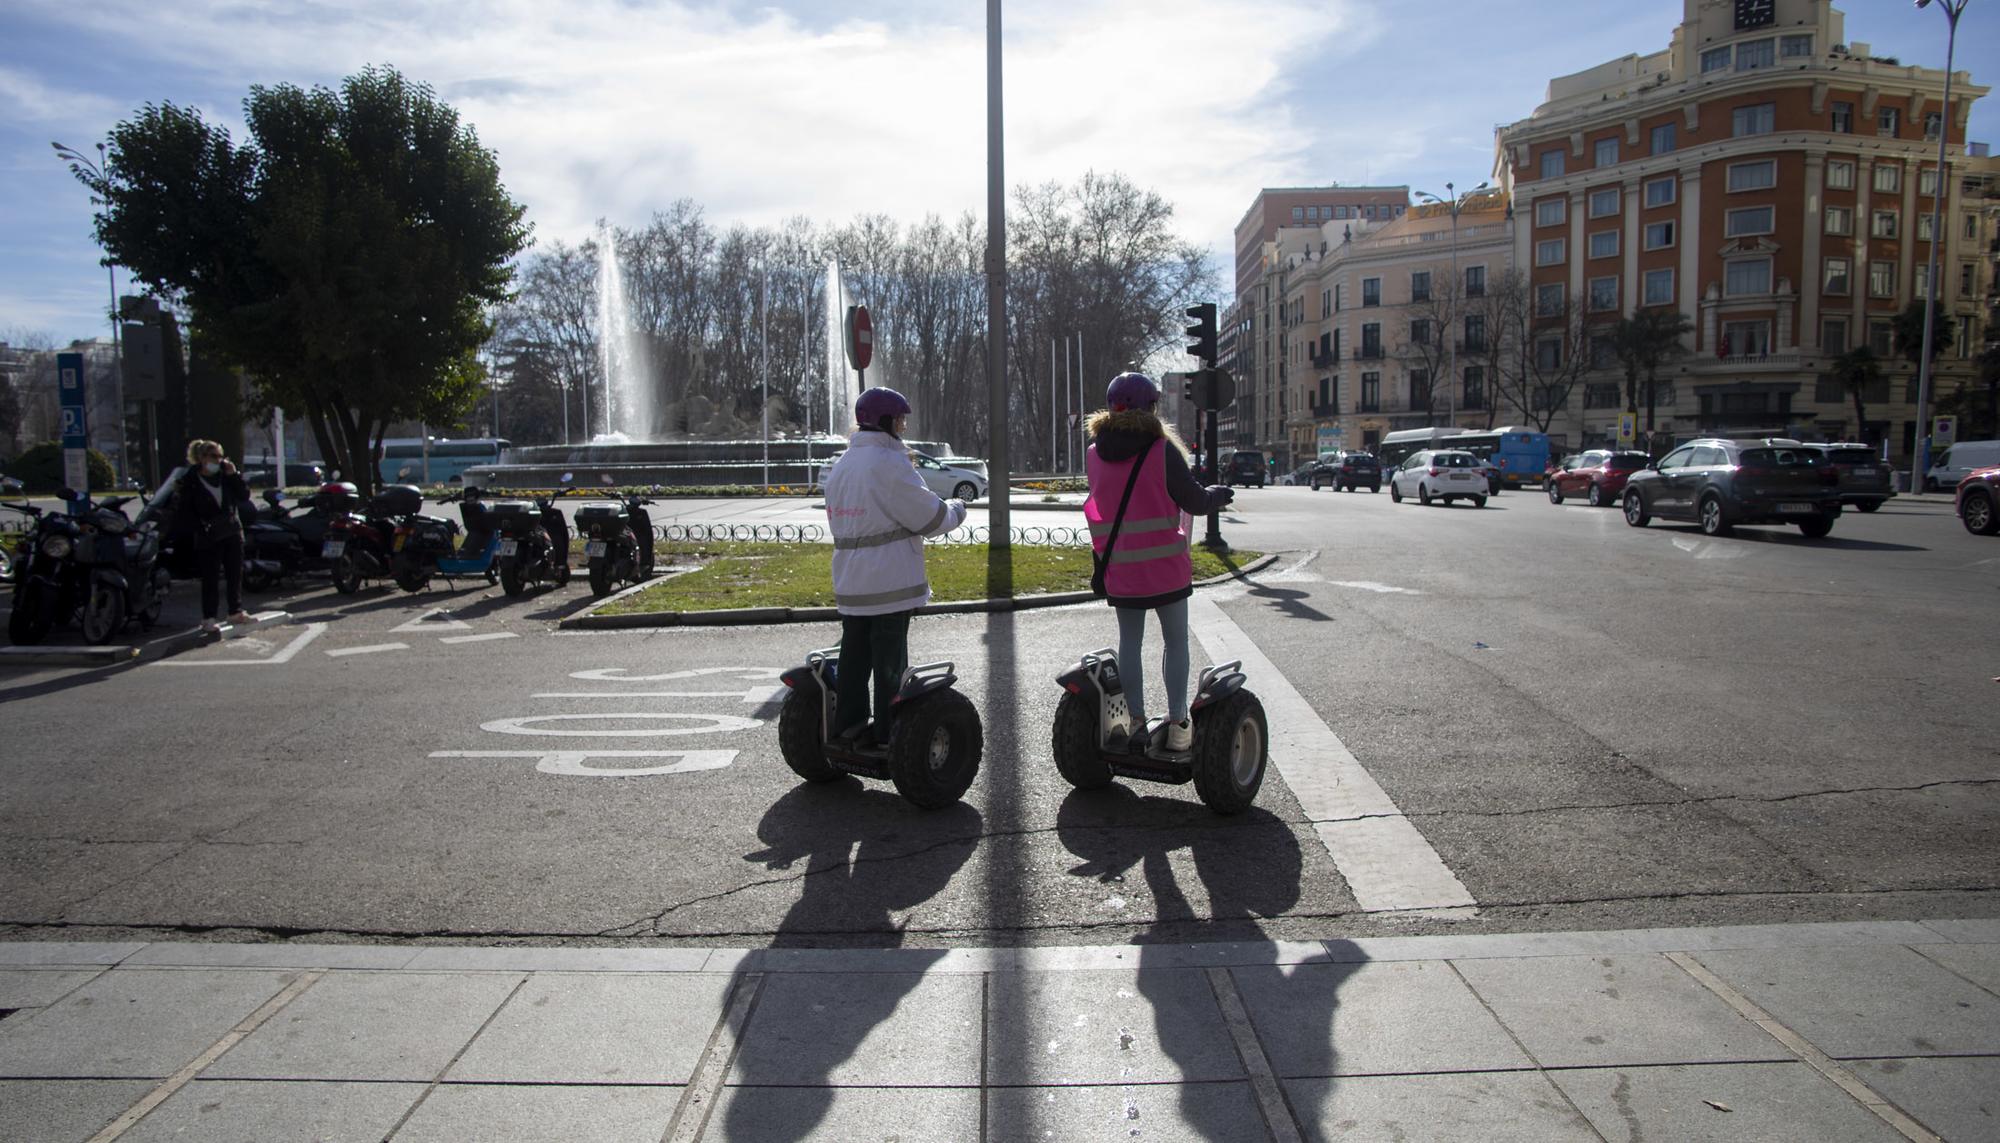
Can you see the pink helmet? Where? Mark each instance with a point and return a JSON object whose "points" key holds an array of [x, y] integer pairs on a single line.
{"points": [[1131, 391]]}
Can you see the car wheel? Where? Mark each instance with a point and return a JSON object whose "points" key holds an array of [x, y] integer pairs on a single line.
{"points": [[964, 490], [1978, 515], [1377, 487], [1555, 493], [1479, 502], [1816, 528], [1423, 494], [1314, 484], [1868, 505], [1596, 497], [1395, 492], [1713, 522], [1635, 510]]}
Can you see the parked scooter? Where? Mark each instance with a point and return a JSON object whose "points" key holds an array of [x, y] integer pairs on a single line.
{"points": [[359, 538], [291, 535], [932, 747], [49, 584], [617, 542], [534, 543], [127, 579], [479, 554], [1095, 739]]}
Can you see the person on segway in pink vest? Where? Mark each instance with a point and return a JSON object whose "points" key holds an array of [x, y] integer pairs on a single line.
{"points": [[1148, 568], [879, 511]]}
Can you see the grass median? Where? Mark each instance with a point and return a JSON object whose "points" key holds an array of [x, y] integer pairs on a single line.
{"points": [[730, 575]]}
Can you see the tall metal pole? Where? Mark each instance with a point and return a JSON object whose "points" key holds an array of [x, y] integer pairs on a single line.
{"points": [[996, 305], [1920, 454], [1451, 313], [1069, 402], [764, 351], [1055, 418]]}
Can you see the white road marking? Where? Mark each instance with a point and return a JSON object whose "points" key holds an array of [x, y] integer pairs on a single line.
{"points": [[1388, 863], [575, 763], [618, 675], [489, 636], [312, 631], [424, 622], [1371, 585], [757, 695], [718, 723], [369, 650]]}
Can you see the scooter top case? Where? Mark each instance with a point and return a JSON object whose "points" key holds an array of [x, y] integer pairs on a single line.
{"points": [[931, 750], [1094, 739]]}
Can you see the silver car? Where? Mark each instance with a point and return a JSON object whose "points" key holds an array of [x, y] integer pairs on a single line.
{"points": [[948, 481]]}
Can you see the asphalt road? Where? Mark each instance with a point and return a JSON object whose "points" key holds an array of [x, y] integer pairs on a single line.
{"points": [[1584, 725]]}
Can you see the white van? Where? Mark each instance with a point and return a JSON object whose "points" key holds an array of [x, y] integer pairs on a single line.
{"points": [[1961, 460]]}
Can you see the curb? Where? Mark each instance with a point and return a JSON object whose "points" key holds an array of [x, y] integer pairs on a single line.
{"points": [[89, 656], [747, 616]]}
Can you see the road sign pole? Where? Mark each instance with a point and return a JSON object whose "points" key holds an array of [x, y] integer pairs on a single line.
{"points": [[72, 407], [1213, 540]]}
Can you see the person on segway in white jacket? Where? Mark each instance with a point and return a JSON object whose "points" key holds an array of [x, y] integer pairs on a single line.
{"points": [[879, 512]]}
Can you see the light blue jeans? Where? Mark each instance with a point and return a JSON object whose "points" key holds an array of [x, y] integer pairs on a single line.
{"points": [[1174, 660]]}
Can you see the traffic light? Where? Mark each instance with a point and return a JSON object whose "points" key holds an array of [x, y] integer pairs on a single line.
{"points": [[1187, 389], [1202, 332]]}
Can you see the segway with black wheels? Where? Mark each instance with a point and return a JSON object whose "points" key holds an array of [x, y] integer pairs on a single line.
{"points": [[930, 750], [1095, 739]]}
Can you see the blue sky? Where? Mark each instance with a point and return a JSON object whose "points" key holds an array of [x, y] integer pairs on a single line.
{"points": [[614, 108]]}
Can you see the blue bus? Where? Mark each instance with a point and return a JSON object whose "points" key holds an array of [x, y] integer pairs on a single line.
{"points": [[403, 460], [1522, 454]]}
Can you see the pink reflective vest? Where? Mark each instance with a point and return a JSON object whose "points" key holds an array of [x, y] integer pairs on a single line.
{"points": [[1151, 556]]}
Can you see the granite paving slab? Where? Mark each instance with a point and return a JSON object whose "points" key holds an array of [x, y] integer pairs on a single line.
{"points": [[251, 1111], [1151, 1113], [383, 1026], [134, 1023], [1766, 1102], [64, 1111], [28, 953], [1957, 1098], [1106, 1027], [1877, 1001], [618, 1028], [40, 987], [869, 1029], [843, 1115], [1382, 1018], [1491, 1107], [1979, 964], [455, 1113]]}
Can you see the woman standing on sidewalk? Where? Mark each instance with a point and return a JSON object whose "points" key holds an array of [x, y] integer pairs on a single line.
{"points": [[208, 504], [1141, 495]]}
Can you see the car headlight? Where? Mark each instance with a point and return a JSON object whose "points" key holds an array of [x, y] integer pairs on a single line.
{"points": [[57, 547]]}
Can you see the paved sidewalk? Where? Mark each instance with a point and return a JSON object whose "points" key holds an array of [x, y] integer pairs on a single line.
{"points": [[1863, 1031]]}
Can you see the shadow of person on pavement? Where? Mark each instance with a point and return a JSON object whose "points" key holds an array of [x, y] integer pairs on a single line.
{"points": [[1249, 869], [867, 863], [1289, 600]]}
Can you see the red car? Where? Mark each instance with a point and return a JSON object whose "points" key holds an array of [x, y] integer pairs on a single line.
{"points": [[1598, 476], [1979, 502]]}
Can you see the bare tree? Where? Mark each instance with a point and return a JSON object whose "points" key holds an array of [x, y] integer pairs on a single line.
{"points": [[1552, 354]]}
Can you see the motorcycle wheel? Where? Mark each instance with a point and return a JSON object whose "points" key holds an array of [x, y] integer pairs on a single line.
{"points": [[156, 600], [600, 577], [346, 575], [32, 616], [257, 579], [412, 581], [103, 614], [559, 568], [510, 578]]}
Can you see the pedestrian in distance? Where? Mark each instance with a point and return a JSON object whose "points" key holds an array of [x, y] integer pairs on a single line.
{"points": [[1142, 496], [879, 511], [208, 507]]}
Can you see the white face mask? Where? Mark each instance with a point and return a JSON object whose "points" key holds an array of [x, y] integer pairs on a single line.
{"points": [[211, 467]]}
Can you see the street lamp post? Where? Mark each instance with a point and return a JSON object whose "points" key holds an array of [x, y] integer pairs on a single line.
{"points": [[1921, 438], [1453, 203], [76, 161]]}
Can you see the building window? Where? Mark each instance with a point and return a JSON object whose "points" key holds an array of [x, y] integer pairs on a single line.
{"points": [[1843, 118], [1888, 179], [1659, 287], [1965, 280], [1475, 281], [1881, 279], [1420, 286], [1746, 221], [1420, 331], [1548, 357], [1927, 181], [1604, 202], [1604, 244], [1920, 281], [1298, 214], [1371, 340], [1840, 176], [1660, 192], [1923, 226], [1371, 291], [1475, 334], [1972, 227], [1761, 175], [1603, 294], [1606, 153], [1757, 119], [1599, 396], [1839, 220], [1888, 121], [1746, 277], [1754, 54], [1549, 300], [1663, 138], [1795, 47], [1550, 211], [1834, 279], [1326, 303], [1552, 163], [1475, 386], [1881, 337], [1371, 393], [1746, 338], [1549, 252], [1833, 335], [1933, 123], [1715, 59], [1659, 235], [1603, 355], [1883, 224], [1420, 388]]}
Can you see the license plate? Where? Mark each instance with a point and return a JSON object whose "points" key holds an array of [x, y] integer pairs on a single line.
{"points": [[1794, 506], [1865, 472], [509, 547], [398, 545], [593, 548], [332, 549], [1461, 476]]}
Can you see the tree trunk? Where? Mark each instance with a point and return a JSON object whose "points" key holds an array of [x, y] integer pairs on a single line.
{"points": [[1860, 415], [1652, 390]]}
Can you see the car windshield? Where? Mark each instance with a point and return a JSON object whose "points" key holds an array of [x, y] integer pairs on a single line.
{"points": [[1782, 458], [1452, 460], [1626, 462], [1850, 456]]}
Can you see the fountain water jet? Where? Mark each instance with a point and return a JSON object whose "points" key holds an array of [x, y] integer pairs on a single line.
{"points": [[621, 350]]}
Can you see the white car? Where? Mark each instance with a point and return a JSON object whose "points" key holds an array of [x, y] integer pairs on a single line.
{"points": [[948, 481], [1958, 461], [1436, 476]]}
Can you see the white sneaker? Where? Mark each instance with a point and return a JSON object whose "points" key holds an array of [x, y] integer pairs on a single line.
{"points": [[1180, 736]]}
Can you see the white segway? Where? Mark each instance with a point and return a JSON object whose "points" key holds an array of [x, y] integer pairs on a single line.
{"points": [[1095, 740], [931, 751]]}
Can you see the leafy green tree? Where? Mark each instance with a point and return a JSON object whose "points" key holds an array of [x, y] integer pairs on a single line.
{"points": [[1858, 370], [345, 256], [1643, 342], [1907, 331]]}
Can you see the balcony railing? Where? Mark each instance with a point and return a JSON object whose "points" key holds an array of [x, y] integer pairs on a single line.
{"points": [[1759, 360], [1326, 360], [1330, 409], [1472, 345], [1369, 353], [1368, 407]]}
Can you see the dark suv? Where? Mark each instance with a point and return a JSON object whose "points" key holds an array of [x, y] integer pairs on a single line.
{"points": [[1347, 470], [1244, 466], [1721, 483], [1864, 476]]}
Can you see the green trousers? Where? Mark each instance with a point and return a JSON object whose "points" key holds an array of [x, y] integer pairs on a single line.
{"points": [[876, 646]]}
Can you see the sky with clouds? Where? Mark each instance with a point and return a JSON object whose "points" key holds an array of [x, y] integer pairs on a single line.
{"points": [[760, 111]]}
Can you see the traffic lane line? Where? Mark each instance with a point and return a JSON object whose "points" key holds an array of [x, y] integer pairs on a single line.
{"points": [[1388, 863], [371, 649], [485, 638], [285, 654]]}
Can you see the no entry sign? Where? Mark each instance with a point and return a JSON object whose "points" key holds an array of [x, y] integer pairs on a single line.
{"points": [[860, 337]]}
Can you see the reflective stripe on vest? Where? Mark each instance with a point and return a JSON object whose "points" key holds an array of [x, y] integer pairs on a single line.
{"points": [[896, 595], [1102, 528]]}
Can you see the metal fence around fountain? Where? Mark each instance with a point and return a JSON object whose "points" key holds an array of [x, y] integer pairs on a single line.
{"points": [[1057, 537]]}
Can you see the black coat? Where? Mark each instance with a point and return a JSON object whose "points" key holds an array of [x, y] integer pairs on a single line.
{"points": [[199, 516]]}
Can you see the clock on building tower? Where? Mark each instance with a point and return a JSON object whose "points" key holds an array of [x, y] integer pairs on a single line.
{"points": [[1755, 13]]}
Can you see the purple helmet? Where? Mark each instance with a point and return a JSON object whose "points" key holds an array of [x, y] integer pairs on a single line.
{"points": [[876, 407], [1131, 391]]}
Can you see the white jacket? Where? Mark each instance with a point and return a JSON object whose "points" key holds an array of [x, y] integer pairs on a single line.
{"points": [[879, 510]]}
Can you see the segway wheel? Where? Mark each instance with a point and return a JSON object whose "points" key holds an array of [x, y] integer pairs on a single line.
{"points": [[799, 733], [934, 749], [1074, 744], [1231, 749]]}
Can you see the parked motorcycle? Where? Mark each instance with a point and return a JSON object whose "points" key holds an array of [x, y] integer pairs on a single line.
{"points": [[534, 543], [49, 585], [127, 579], [360, 538], [617, 542], [291, 536], [479, 554]]}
